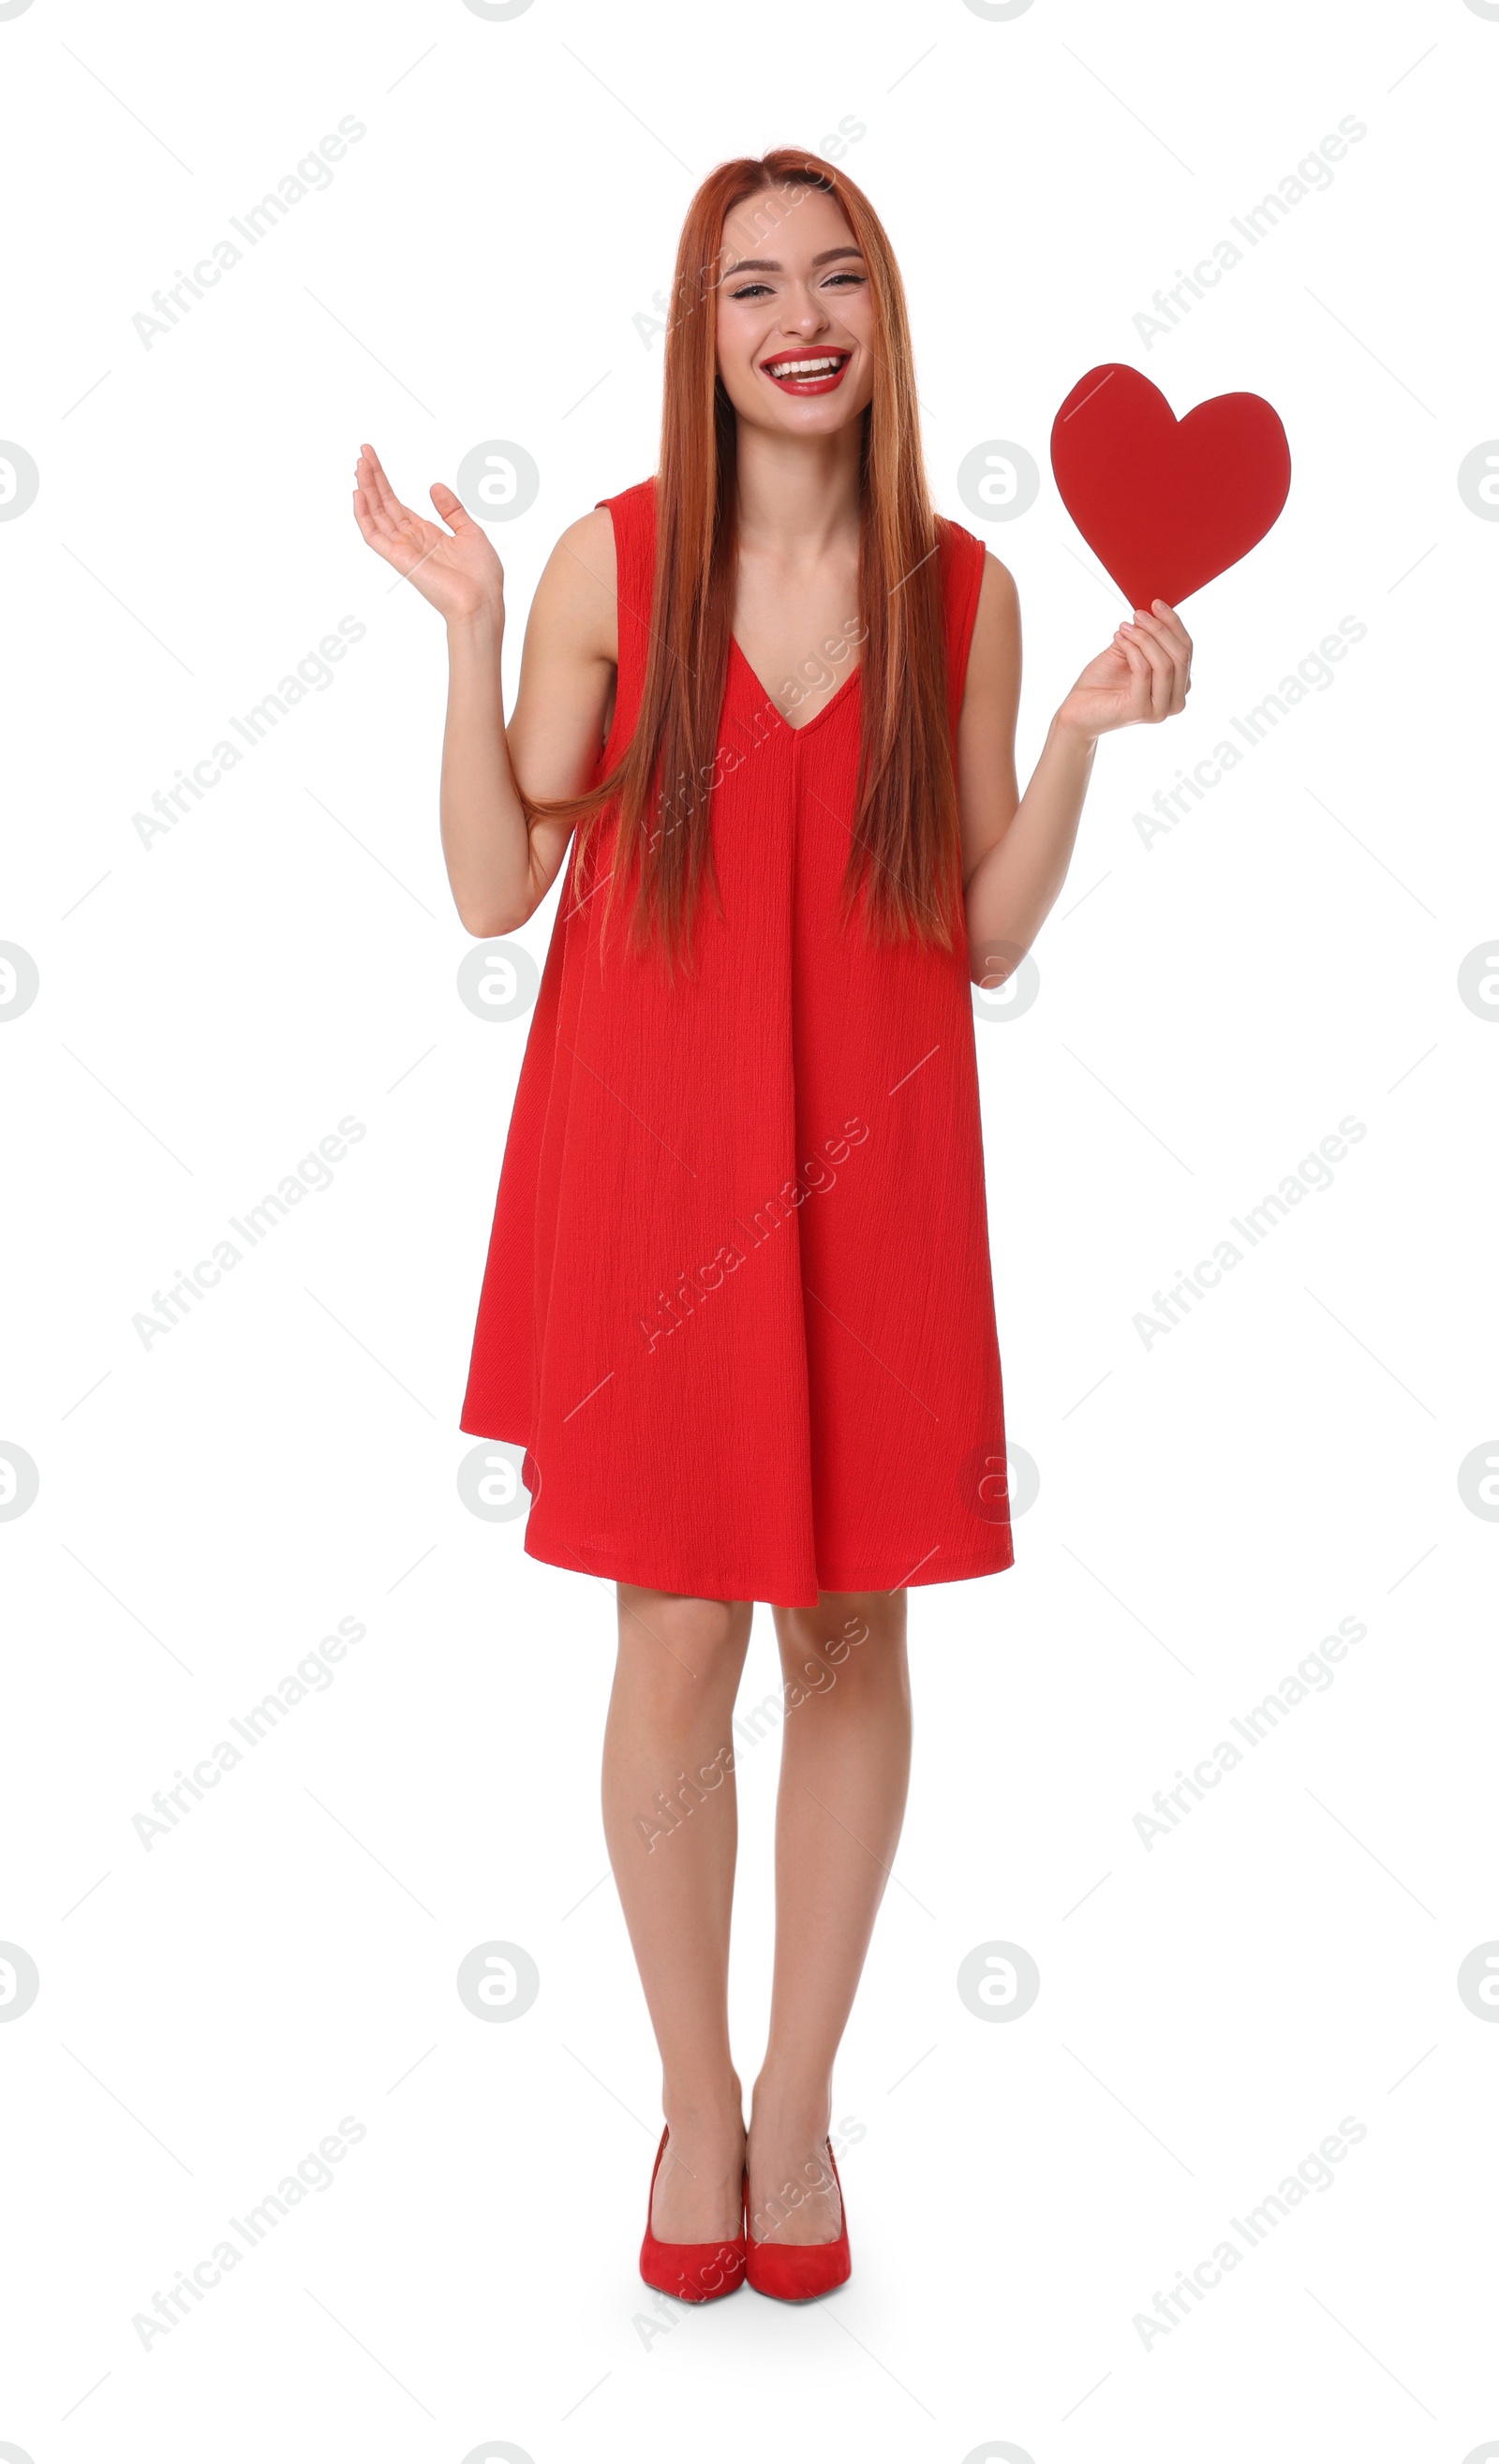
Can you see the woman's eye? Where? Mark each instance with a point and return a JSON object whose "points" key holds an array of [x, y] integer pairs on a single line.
{"points": [[752, 291]]}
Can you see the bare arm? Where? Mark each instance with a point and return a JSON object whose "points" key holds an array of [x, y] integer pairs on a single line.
{"points": [[1017, 848], [498, 868]]}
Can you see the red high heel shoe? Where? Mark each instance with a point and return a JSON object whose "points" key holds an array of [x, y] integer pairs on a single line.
{"points": [[793, 2270], [690, 2271]]}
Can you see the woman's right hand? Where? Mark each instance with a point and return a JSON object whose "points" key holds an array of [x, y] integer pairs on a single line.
{"points": [[455, 569]]}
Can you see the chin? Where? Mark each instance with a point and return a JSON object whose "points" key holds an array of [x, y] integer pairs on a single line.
{"points": [[817, 417]]}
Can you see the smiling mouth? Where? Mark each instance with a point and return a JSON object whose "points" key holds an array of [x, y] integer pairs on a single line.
{"points": [[806, 371]]}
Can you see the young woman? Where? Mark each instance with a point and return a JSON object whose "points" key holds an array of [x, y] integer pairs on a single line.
{"points": [[737, 1306]]}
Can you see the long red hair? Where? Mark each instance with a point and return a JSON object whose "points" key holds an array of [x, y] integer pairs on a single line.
{"points": [[904, 855]]}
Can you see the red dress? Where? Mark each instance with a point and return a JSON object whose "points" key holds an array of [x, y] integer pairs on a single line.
{"points": [[738, 1306]]}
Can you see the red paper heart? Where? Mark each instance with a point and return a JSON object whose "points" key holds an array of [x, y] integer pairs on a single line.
{"points": [[1165, 504]]}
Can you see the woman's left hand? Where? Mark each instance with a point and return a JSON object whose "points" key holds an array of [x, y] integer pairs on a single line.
{"points": [[1145, 674]]}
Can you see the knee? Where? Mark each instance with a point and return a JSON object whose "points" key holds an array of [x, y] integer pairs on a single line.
{"points": [[685, 1648], [851, 1645]]}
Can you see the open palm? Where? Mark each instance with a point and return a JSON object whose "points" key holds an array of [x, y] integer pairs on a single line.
{"points": [[455, 569]]}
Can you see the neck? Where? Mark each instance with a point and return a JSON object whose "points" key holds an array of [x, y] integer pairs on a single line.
{"points": [[798, 496]]}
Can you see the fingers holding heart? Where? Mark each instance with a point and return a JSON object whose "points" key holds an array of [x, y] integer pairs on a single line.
{"points": [[1174, 626], [1176, 634], [1140, 672], [1144, 634], [1166, 651], [1150, 669]]}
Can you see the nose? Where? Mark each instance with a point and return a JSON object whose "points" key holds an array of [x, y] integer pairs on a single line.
{"points": [[805, 313]]}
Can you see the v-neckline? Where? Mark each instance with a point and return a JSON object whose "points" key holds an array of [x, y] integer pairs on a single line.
{"points": [[818, 717]]}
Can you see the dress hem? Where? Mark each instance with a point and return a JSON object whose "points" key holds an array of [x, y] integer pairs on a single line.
{"points": [[571, 1561], [559, 1555]]}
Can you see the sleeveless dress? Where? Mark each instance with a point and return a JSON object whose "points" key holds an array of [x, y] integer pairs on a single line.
{"points": [[737, 1307]]}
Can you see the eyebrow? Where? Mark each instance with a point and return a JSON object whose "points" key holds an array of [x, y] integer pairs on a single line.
{"points": [[773, 265]]}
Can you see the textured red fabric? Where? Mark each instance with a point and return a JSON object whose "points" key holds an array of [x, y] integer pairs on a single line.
{"points": [[737, 1306]]}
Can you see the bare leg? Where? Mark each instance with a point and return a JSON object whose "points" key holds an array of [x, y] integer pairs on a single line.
{"points": [[844, 1764], [671, 1819]]}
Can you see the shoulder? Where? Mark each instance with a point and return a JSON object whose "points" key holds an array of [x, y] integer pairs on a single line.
{"points": [[584, 555], [999, 599], [640, 499], [577, 598], [980, 591], [968, 560], [982, 615], [575, 593], [631, 518], [962, 549], [992, 682]]}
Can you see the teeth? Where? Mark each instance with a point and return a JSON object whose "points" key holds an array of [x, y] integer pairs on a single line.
{"points": [[805, 367]]}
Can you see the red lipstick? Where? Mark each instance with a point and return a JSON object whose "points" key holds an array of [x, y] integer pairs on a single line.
{"points": [[806, 370]]}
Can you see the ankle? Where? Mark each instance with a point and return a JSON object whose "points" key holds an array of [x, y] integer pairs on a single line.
{"points": [[783, 2107], [703, 2110]]}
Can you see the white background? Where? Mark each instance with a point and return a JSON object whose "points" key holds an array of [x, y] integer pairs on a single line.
{"points": [[1211, 1005]]}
